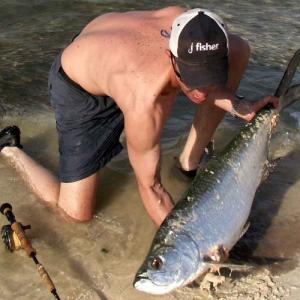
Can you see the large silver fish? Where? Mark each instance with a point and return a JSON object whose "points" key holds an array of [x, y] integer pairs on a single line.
{"points": [[205, 225]]}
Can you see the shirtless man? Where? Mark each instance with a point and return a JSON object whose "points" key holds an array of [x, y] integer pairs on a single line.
{"points": [[125, 70]]}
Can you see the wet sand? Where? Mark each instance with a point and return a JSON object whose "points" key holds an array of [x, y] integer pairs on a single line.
{"points": [[98, 260]]}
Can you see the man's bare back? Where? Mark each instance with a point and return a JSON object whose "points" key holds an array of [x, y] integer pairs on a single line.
{"points": [[123, 55]]}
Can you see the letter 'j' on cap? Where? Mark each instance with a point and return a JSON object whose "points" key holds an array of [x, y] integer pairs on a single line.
{"points": [[199, 43]]}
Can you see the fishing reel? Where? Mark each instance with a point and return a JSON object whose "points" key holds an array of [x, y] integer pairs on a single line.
{"points": [[9, 236]]}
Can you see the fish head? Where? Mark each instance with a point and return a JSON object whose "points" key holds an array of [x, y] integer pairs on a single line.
{"points": [[168, 266]]}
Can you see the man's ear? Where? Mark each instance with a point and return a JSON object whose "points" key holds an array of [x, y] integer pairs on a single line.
{"points": [[168, 53]]}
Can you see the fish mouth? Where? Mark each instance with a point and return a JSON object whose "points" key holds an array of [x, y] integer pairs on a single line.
{"points": [[144, 284], [139, 277]]}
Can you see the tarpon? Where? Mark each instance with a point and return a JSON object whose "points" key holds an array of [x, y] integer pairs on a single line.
{"points": [[205, 225]]}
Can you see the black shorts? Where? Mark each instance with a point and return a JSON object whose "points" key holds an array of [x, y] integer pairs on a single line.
{"points": [[89, 127]]}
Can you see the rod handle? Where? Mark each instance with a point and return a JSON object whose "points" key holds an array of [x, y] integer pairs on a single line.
{"points": [[18, 229], [45, 277]]}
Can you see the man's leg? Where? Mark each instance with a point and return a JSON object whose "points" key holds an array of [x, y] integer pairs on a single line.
{"points": [[208, 116], [76, 199]]}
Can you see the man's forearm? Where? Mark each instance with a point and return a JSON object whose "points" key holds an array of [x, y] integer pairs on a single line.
{"points": [[157, 202]]}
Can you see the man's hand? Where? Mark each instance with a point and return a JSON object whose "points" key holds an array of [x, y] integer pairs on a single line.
{"points": [[246, 110]]}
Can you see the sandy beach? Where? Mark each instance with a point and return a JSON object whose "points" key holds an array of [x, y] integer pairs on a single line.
{"points": [[98, 260]]}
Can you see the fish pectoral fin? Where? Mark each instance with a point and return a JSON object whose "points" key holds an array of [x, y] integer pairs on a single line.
{"points": [[270, 166], [218, 254], [245, 229]]}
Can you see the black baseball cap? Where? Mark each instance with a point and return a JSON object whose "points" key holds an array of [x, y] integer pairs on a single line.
{"points": [[199, 44]]}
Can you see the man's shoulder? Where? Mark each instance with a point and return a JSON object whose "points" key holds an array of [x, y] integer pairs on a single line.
{"points": [[166, 13], [171, 10]]}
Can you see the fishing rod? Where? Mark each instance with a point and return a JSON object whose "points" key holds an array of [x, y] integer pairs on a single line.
{"points": [[14, 238]]}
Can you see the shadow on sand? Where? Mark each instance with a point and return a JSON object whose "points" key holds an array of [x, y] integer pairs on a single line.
{"points": [[283, 234]]}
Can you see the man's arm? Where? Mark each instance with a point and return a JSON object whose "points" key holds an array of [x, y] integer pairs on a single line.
{"points": [[143, 131]]}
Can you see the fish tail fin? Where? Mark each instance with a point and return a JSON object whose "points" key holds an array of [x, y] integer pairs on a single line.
{"points": [[288, 75], [292, 95], [284, 88], [288, 94]]}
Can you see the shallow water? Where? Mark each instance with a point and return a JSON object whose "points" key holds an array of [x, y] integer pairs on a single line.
{"points": [[98, 260]]}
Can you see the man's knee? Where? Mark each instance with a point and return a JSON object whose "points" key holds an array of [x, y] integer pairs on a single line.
{"points": [[75, 213], [77, 199], [75, 218]]}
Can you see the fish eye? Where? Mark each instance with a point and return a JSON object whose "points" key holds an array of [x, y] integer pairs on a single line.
{"points": [[157, 263]]}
